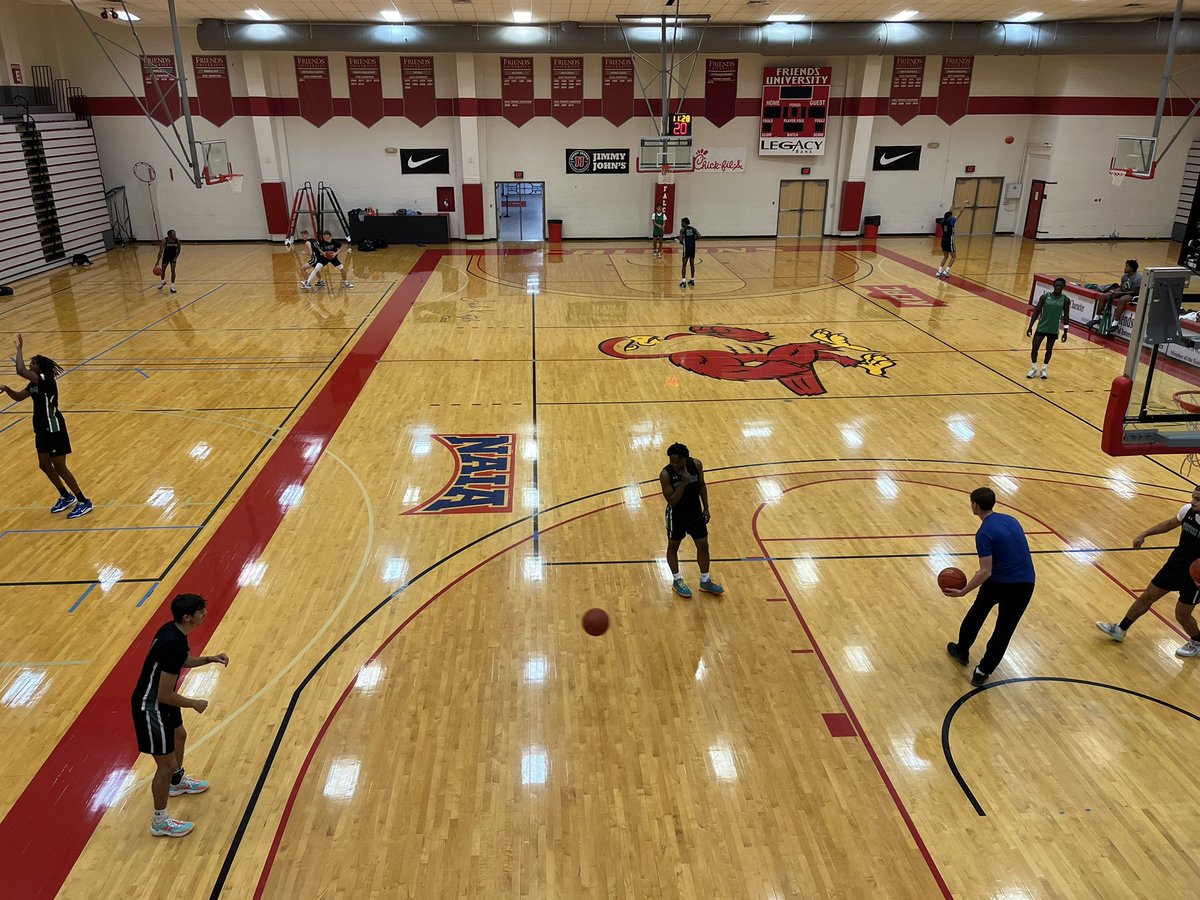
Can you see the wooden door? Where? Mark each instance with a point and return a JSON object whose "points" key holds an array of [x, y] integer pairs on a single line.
{"points": [[1033, 215]]}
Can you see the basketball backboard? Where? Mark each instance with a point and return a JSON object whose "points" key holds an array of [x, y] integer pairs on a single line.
{"points": [[673, 153], [1134, 157], [1154, 406], [214, 162]]}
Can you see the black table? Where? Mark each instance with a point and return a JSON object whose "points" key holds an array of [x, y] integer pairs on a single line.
{"points": [[432, 229]]}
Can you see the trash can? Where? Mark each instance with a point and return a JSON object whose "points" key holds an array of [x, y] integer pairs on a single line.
{"points": [[871, 227], [554, 226]]}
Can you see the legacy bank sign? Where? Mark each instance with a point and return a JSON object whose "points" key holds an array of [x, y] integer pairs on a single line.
{"points": [[795, 110], [598, 162]]}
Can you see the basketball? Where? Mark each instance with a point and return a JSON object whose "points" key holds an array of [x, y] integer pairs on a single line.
{"points": [[158, 270], [1009, 139], [1194, 570], [952, 579], [331, 254], [595, 622]]}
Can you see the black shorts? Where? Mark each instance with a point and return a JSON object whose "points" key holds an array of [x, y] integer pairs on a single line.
{"points": [[689, 254], [323, 262], [948, 243], [680, 525], [56, 443], [169, 256], [1174, 576], [155, 729]]}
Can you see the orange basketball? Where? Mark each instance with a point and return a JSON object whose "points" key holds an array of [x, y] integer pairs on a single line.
{"points": [[331, 254], [595, 622], [1194, 570], [158, 270], [952, 579]]}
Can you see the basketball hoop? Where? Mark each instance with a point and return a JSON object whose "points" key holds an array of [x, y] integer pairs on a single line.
{"points": [[235, 182], [1118, 175], [666, 175], [1188, 402]]}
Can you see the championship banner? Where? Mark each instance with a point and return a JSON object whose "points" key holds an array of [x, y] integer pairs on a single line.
{"points": [[795, 106], [212, 88], [313, 89], [420, 97], [366, 88], [954, 90], [719, 160], [162, 88], [720, 90], [616, 89], [516, 88], [908, 77], [566, 89], [598, 162]]}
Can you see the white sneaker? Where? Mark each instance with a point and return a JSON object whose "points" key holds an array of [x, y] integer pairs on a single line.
{"points": [[1032, 372], [1045, 371], [170, 828], [1188, 650], [691, 282], [304, 285], [683, 284], [163, 285], [173, 291], [939, 273], [1116, 633]]}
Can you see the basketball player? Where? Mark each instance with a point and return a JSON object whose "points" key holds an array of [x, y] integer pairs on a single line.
{"points": [[50, 430], [1005, 578], [682, 482], [687, 237], [310, 248], [658, 222], [157, 715], [168, 253], [1173, 576], [949, 249], [327, 255], [1053, 313], [1117, 298]]}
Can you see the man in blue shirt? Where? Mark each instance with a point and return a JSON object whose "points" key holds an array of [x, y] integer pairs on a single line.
{"points": [[1005, 579]]}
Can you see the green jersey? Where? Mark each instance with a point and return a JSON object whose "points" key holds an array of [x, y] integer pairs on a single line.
{"points": [[1052, 313], [659, 221]]}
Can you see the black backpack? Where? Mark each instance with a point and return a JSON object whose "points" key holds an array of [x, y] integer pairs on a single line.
{"points": [[80, 259]]}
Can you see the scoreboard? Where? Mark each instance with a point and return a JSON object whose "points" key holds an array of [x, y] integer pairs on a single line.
{"points": [[681, 124], [795, 108]]}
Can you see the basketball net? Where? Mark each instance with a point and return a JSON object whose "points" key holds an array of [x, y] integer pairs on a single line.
{"points": [[666, 176], [1118, 175], [1188, 402]]}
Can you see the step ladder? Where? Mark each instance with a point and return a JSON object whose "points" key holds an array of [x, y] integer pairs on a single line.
{"points": [[304, 203], [325, 195]]}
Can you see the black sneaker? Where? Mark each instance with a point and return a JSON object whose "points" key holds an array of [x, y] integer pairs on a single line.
{"points": [[959, 655], [978, 678]]}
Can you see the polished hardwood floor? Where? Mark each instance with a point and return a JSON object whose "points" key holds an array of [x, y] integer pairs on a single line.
{"points": [[401, 498]]}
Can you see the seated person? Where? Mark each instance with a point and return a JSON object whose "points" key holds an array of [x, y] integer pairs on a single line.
{"points": [[1117, 297]]}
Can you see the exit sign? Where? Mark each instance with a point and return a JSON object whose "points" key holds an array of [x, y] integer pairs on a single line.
{"points": [[518, 174]]}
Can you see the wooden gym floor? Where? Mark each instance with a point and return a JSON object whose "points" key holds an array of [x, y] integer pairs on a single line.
{"points": [[412, 708]]}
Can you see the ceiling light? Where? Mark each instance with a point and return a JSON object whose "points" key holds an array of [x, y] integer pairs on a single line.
{"points": [[1026, 17], [130, 17], [785, 17], [904, 15], [522, 16], [258, 15], [392, 15]]}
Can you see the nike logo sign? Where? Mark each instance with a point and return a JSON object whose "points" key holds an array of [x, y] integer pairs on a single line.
{"points": [[416, 164], [884, 159]]}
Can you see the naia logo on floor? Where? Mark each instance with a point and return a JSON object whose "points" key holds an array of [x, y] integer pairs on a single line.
{"points": [[483, 475]]}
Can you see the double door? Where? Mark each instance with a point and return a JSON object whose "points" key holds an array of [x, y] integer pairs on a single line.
{"points": [[802, 208], [979, 200]]}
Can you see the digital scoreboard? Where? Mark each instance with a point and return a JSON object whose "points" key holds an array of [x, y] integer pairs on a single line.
{"points": [[795, 110], [681, 125]]}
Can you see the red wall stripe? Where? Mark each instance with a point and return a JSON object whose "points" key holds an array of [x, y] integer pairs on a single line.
{"points": [[746, 107]]}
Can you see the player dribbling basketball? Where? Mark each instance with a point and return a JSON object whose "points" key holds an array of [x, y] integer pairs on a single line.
{"points": [[683, 487], [327, 255], [1173, 576]]}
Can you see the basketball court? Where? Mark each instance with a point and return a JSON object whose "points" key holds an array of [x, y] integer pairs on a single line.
{"points": [[400, 500]]}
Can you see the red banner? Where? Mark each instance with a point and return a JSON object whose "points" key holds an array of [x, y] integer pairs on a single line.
{"points": [[566, 88], [212, 88], [954, 90], [162, 88], [616, 89], [664, 196], [366, 88], [313, 89], [720, 90], [908, 76], [516, 88], [420, 98]]}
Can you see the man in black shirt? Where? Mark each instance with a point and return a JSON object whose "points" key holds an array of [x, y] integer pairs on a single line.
{"points": [[687, 237], [327, 255], [683, 487], [50, 436], [157, 714], [1173, 576]]}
